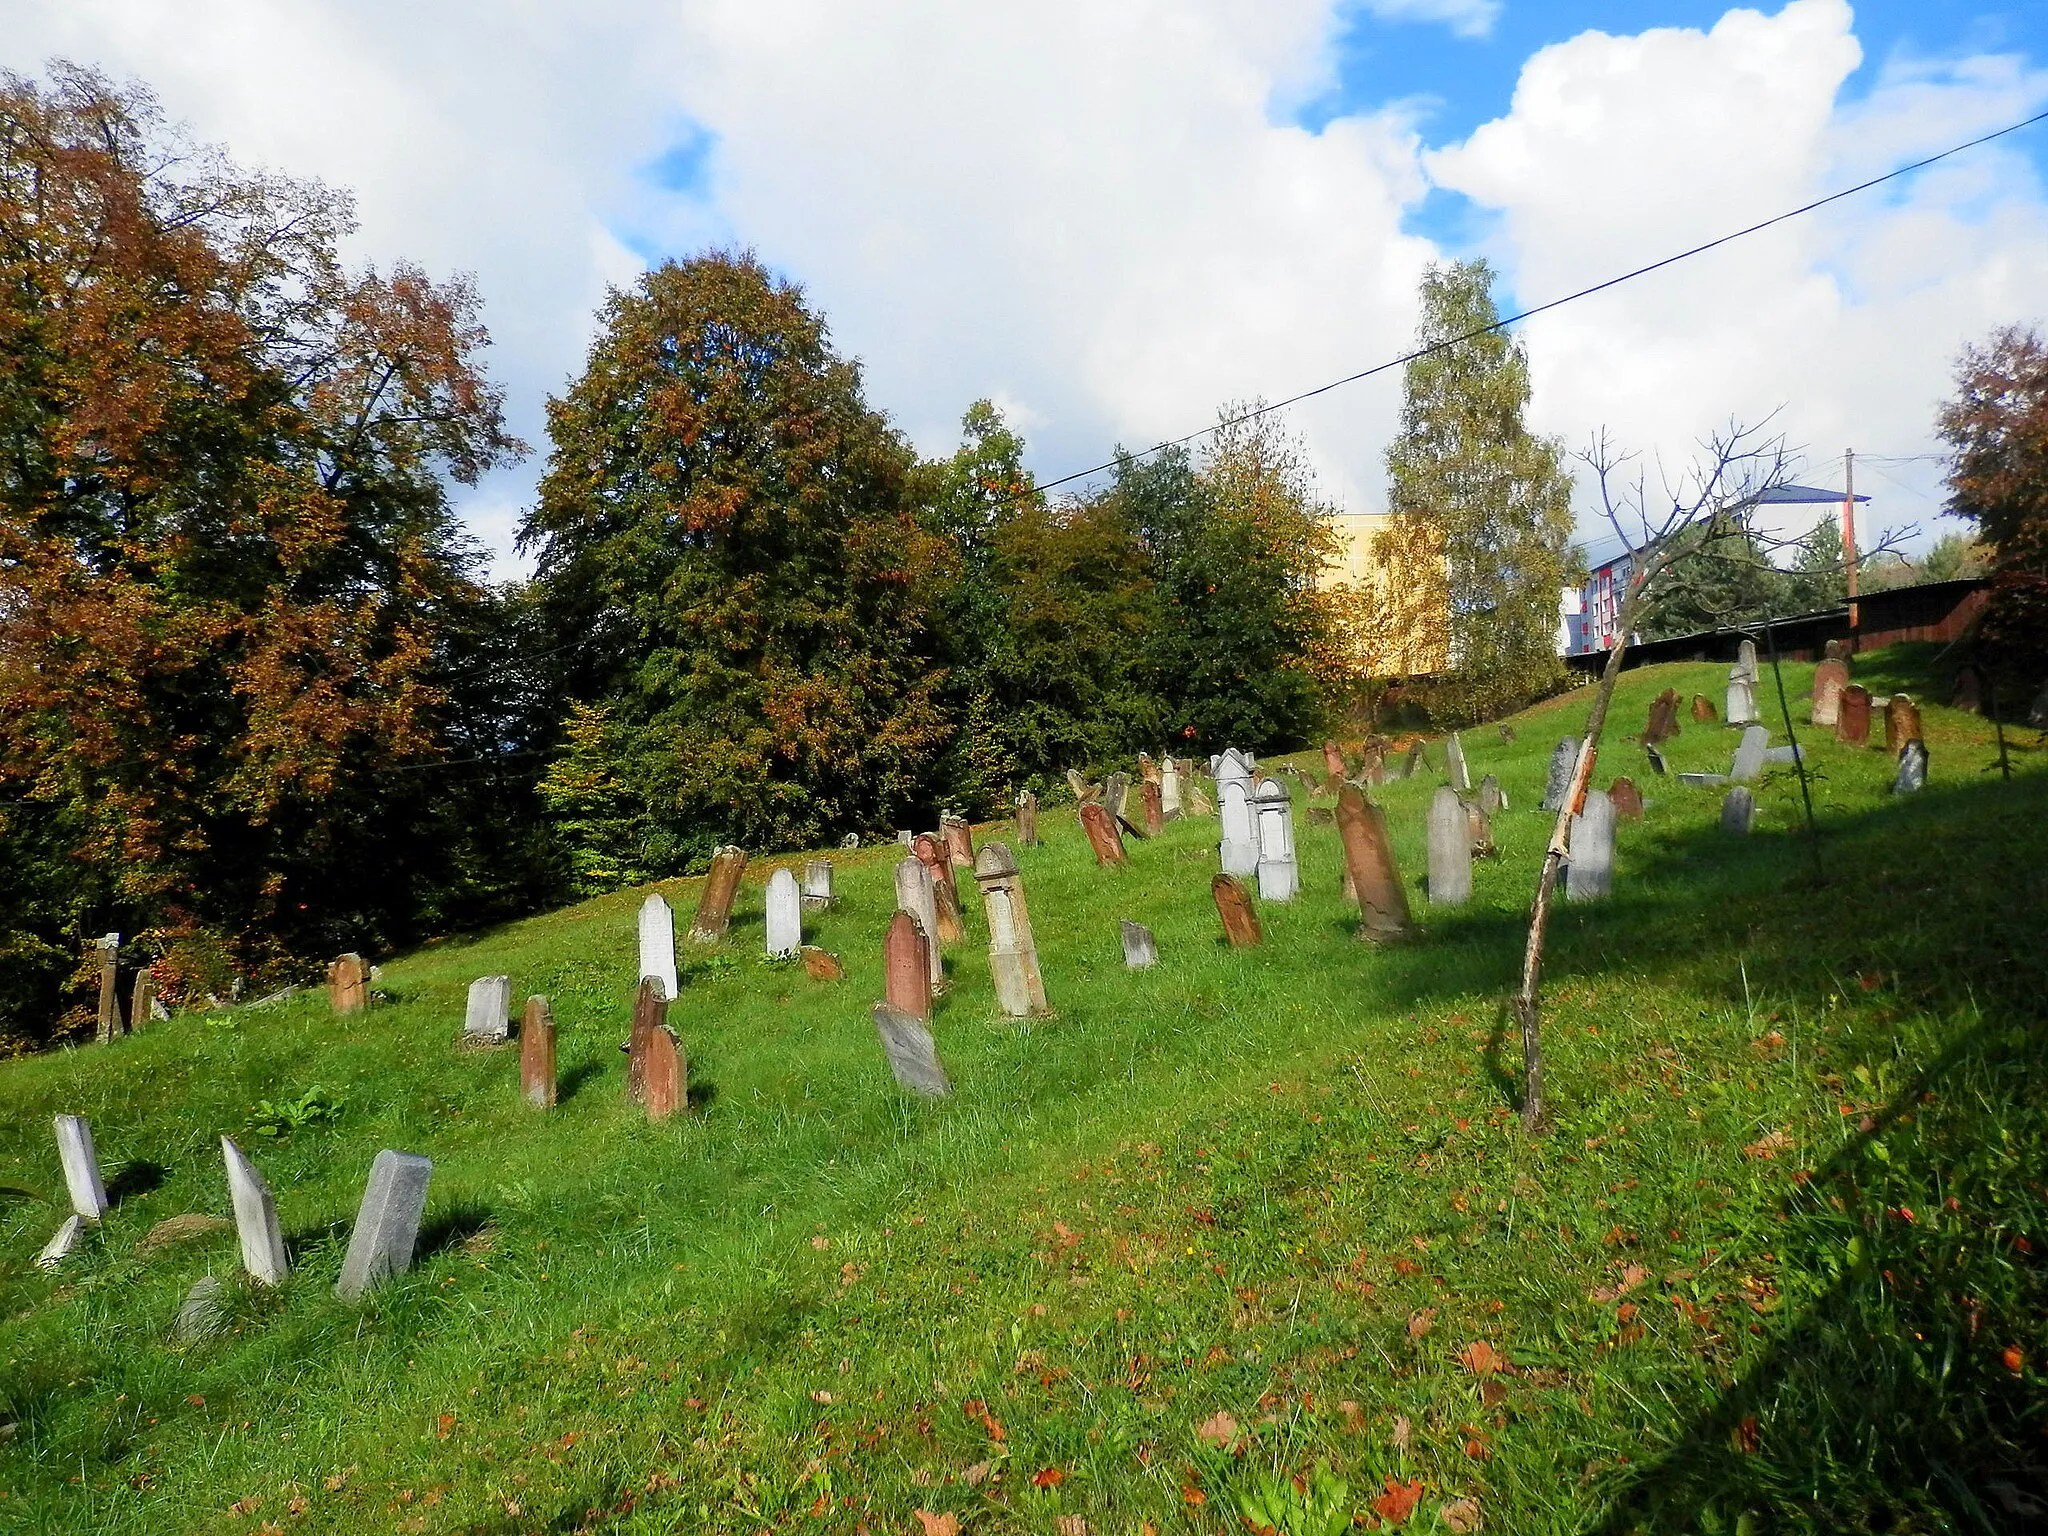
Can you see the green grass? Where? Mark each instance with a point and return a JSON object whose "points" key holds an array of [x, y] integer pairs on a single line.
{"points": [[1283, 1185]]}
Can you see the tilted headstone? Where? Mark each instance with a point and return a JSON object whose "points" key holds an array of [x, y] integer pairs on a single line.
{"points": [[917, 894], [817, 885], [721, 886], [1412, 761], [1628, 800], [913, 1055], [1279, 875], [204, 1311], [537, 1053], [1375, 878], [1901, 723], [1657, 764], [1852, 724], [60, 1247], [1141, 953], [1912, 774], [1012, 954], [1116, 794], [1450, 850], [1333, 761], [110, 996], [1461, 772], [650, 1012], [1663, 723], [1829, 679], [1153, 809], [1738, 811], [1590, 874], [1557, 783], [1478, 830], [1234, 906], [658, 943], [81, 1168], [488, 1019], [1492, 798], [785, 915], [1027, 820], [959, 838], [348, 984], [946, 926], [387, 1224], [255, 1208], [1749, 755], [142, 1002], [1103, 836], [666, 1075], [1703, 709], [906, 966]]}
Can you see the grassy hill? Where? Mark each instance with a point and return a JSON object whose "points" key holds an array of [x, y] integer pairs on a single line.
{"points": [[1245, 1219]]}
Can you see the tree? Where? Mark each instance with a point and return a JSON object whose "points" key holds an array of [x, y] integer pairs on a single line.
{"points": [[727, 540], [227, 564], [1467, 477]]}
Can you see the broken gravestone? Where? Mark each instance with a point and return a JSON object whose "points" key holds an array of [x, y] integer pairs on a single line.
{"points": [[1141, 952], [913, 1056]]}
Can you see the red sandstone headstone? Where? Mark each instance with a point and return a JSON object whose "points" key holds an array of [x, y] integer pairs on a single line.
{"points": [[1103, 836], [906, 967], [714, 908], [959, 838], [1829, 679], [934, 856], [142, 1001], [348, 984], [1382, 903], [537, 1054], [666, 1075], [822, 965], [1154, 809], [1627, 799], [650, 1012], [1663, 718], [1333, 760], [1852, 725], [1703, 708], [1901, 723], [1234, 906], [110, 994]]}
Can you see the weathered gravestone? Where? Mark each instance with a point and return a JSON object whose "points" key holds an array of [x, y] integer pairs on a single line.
{"points": [[917, 894], [816, 890], [1461, 772], [348, 984], [1590, 874], [1507, 735], [1829, 679], [488, 1018], [1663, 723], [1116, 794], [1901, 723], [1852, 725], [1141, 952], [947, 926], [1557, 783], [721, 885], [109, 949], [1279, 876], [1492, 798], [1333, 761], [1369, 860], [1742, 679], [822, 964], [1169, 789], [1912, 774], [1012, 954], [850, 842], [905, 838], [203, 1313], [1103, 836], [70, 1232], [1148, 771], [1478, 831], [658, 943], [537, 1054], [1450, 850], [1657, 764], [665, 1074], [913, 1055], [1784, 754], [1738, 811], [959, 839], [1749, 755], [1027, 820], [387, 1223], [1628, 800], [1195, 800], [1234, 906], [1153, 810], [81, 1168], [906, 966], [256, 1227], [1412, 761], [142, 1001], [1239, 848], [650, 1012], [1083, 790], [785, 915], [1703, 709], [1835, 650]]}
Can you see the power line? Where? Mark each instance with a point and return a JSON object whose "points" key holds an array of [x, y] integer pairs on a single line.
{"points": [[1502, 324]]}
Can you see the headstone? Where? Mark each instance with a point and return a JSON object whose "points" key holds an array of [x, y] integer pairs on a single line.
{"points": [[850, 842], [537, 1054], [1492, 798], [1703, 709], [658, 943], [255, 1210], [785, 923], [1461, 772], [1169, 789], [1012, 954], [1738, 811], [1829, 679], [142, 1001], [1558, 782], [1852, 725], [1450, 850], [1375, 878], [1657, 764], [203, 1312], [1836, 650], [1745, 659], [348, 984], [1785, 754], [60, 1247], [1663, 723], [650, 1012], [666, 1075], [81, 1168], [387, 1224], [1741, 709], [1234, 906], [1141, 953], [822, 964], [1153, 812], [1749, 755], [917, 894], [946, 926], [1901, 723], [1375, 766], [1333, 760], [1116, 794], [906, 967], [1103, 835], [959, 838], [1027, 820], [1627, 799], [816, 891], [1239, 848], [1702, 780], [913, 1056], [110, 995], [1967, 692], [905, 838], [1507, 735], [1279, 875], [488, 1019], [1195, 800], [1912, 774], [1590, 874], [1083, 790], [721, 885], [1478, 831], [1412, 761]]}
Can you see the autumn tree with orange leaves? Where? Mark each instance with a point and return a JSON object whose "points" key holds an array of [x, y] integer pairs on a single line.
{"points": [[226, 555]]}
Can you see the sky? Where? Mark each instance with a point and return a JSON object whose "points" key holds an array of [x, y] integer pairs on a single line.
{"points": [[1113, 217]]}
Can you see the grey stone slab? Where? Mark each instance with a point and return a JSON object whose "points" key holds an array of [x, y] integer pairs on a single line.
{"points": [[387, 1224], [1461, 772], [658, 944], [1450, 850], [203, 1312], [81, 1168], [1557, 783], [1703, 780], [785, 924], [1749, 756], [1492, 798], [913, 1056], [1657, 763], [60, 1247], [1912, 774], [1741, 700], [256, 1225], [1738, 811], [1279, 875], [1141, 952], [1590, 875], [1786, 754], [488, 1020], [816, 888]]}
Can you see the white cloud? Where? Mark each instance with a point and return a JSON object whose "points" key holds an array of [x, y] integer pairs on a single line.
{"points": [[1467, 18]]}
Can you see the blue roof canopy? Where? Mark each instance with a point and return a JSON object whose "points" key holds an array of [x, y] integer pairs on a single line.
{"points": [[1796, 495]]}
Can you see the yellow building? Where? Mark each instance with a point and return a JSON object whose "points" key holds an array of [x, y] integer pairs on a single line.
{"points": [[1393, 603]]}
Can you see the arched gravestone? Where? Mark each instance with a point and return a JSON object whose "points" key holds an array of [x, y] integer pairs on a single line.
{"points": [[785, 915], [1239, 849], [1278, 874], [1012, 953]]}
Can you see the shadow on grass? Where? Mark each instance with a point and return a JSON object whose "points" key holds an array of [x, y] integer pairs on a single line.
{"points": [[571, 1082], [135, 1180], [450, 1229]]}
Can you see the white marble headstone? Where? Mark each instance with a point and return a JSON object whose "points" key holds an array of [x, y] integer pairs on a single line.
{"points": [[785, 914], [658, 944]]}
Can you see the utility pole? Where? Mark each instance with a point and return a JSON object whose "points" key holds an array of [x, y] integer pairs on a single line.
{"points": [[1849, 536]]}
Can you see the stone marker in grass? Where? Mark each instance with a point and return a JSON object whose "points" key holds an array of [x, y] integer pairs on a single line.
{"points": [[1152, 809], [650, 1012], [1375, 877], [1657, 764], [1461, 771], [721, 885], [1829, 679], [917, 894], [1479, 831], [959, 838], [1279, 875], [905, 838], [822, 964], [1912, 774], [81, 1168], [348, 984], [537, 1053], [1901, 723], [1663, 722], [1450, 850], [785, 915], [1169, 789], [1702, 780], [1116, 791], [1703, 709], [1590, 874], [817, 885], [666, 1075], [906, 966], [70, 1233], [1557, 782], [1492, 798], [1628, 800], [850, 842], [203, 1313], [1852, 722], [913, 1056], [109, 951], [1742, 680], [658, 943], [1141, 952], [1749, 754], [946, 915], [1333, 761], [1234, 906], [387, 1223], [142, 1000], [1103, 836], [255, 1208], [488, 1018], [1012, 953], [1738, 811], [1027, 819], [1239, 848]]}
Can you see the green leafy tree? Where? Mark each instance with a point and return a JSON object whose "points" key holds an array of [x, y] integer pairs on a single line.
{"points": [[1468, 477], [728, 541]]}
